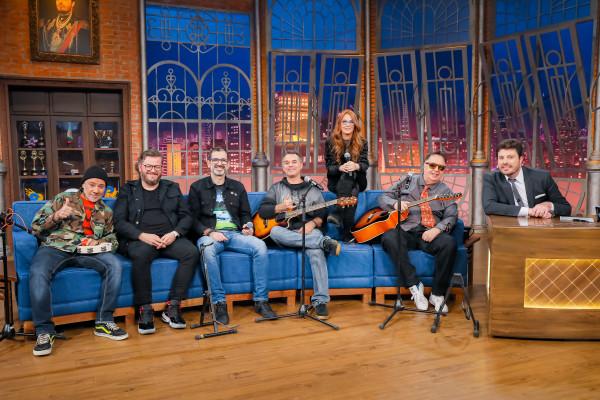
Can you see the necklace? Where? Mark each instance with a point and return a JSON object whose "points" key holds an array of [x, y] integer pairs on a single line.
{"points": [[62, 20]]}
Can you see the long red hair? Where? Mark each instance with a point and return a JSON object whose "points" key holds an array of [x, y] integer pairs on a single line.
{"points": [[337, 141]]}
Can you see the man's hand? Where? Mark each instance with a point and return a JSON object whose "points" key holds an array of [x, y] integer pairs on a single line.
{"points": [[151, 239], [64, 212], [247, 231], [308, 227], [403, 206], [541, 210], [217, 236], [430, 234], [287, 205], [168, 238]]}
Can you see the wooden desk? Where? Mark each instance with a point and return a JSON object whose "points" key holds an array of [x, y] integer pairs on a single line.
{"points": [[544, 278]]}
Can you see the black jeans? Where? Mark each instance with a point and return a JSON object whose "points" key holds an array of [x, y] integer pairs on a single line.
{"points": [[142, 255], [443, 248]]}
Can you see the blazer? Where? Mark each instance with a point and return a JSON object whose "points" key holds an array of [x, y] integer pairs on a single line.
{"points": [[333, 165], [498, 197], [129, 209]]}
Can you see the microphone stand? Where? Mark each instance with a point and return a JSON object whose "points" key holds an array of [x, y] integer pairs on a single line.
{"points": [[304, 309], [398, 305], [207, 305], [8, 331]]}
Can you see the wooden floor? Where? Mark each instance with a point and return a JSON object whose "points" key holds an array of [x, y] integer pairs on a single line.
{"points": [[301, 359]]}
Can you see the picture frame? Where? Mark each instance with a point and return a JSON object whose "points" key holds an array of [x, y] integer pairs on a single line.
{"points": [[64, 31]]}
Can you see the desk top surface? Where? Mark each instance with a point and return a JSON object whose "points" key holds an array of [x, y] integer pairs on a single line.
{"points": [[497, 221]]}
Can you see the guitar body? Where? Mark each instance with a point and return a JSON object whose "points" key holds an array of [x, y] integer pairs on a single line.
{"points": [[374, 223], [262, 226]]}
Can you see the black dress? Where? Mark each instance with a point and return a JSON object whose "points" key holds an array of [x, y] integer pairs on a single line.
{"points": [[345, 184]]}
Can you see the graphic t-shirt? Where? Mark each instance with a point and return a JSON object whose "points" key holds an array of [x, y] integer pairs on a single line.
{"points": [[224, 222]]}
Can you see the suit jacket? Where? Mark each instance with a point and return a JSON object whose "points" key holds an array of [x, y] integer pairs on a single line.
{"points": [[498, 197]]}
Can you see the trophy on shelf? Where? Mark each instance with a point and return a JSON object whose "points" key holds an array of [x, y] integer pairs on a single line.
{"points": [[41, 142], [23, 157], [41, 157], [71, 168], [111, 167], [69, 135], [25, 138], [104, 138], [34, 156]]}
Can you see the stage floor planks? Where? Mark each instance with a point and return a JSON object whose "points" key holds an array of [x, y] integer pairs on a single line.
{"points": [[301, 359]]}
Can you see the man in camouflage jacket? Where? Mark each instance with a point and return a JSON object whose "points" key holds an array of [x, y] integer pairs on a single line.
{"points": [[70, 220]]}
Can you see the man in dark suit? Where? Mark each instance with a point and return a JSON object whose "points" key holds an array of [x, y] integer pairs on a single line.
{"points": [[514, 190]]}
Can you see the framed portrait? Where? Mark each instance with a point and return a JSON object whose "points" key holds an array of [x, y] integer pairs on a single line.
{"points": [[64, 31]]}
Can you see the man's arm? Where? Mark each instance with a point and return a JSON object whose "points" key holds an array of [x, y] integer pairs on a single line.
{"points": [[561, 205], [449, 218], [195, 206], [109, 235], [491, 204], [44, 220], [388, 200], [245, 215], [268, 204], [122, 225], [184, 217]]}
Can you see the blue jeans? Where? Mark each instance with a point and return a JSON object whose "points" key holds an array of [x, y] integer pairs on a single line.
{"points": [[318, 263], [48, 261], [238, 243]]}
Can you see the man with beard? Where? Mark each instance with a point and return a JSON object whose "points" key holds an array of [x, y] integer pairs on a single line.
{"points": [[515, 190], [221, 213], [65, 34], [151, 220]]}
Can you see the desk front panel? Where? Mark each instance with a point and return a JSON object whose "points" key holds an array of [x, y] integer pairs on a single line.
{"points": [[545, 281]]}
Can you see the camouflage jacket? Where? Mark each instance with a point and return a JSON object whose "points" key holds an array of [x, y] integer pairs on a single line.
{"points": [[66, 235]]}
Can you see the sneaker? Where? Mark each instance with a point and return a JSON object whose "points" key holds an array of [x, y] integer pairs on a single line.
{"points": [[43, 344], [110, 330], [437, 303], [172, 315], [321, 311], [333, 219], [418, 297], [221, 313], [264, 309], [331, 246], [146, 321]]}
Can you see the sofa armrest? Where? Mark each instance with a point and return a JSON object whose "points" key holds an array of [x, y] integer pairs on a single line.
{"points": [[25, 246]]}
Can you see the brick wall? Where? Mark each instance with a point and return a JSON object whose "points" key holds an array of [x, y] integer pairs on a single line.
{"points": [[119, 55]]}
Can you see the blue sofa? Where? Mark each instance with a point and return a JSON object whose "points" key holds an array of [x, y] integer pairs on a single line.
{"points": [[358, 270]]}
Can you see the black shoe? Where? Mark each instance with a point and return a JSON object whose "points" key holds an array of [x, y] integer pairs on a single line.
{"points": [[264, 309], [172, 315], [321, 311], [146, 321], [331, 246], [43, 344], [221, 313], [110, 330]]}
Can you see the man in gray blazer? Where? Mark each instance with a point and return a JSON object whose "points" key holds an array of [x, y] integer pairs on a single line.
{"points": [[514, 190]]}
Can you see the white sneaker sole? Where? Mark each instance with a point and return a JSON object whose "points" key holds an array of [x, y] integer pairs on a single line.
{"points": [[42, 352], [146, 331], [111, 337], [165, 318]]}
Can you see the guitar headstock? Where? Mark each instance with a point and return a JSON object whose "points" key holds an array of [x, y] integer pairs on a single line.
{"points": [[448, 196], [346, 201]]}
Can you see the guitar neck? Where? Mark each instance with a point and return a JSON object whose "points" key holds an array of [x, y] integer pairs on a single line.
{"points": [[295, 213], [421, 201]]}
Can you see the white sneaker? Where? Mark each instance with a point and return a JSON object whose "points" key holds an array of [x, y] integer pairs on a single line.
{"points": [[437, 303], [418, 297]]}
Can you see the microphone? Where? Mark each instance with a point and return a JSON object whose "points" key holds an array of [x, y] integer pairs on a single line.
{"points": [[348, 157], [315, 184]]}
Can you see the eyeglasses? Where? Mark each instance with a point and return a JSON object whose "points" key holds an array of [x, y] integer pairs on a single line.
{"points": [[433, 166], [219, 160], [149, 167], [347, 122]]}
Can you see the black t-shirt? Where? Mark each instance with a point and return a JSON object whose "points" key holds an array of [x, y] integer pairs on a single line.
{"points": [[154, 220]]}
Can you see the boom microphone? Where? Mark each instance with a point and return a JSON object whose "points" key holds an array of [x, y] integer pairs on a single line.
{"points": [[315, 184]]}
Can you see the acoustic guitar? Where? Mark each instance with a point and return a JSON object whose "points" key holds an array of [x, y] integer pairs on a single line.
{"points": [[376, 221], [263, 226]]}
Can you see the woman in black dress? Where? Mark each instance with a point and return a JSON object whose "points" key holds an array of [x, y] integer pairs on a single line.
{"points": [[347, 160]]}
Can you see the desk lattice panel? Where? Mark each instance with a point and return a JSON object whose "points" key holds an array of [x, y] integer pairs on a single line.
{"points": [[562, 283]]}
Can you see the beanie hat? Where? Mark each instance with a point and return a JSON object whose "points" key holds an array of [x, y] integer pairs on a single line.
{"points": [[95, 172]]}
